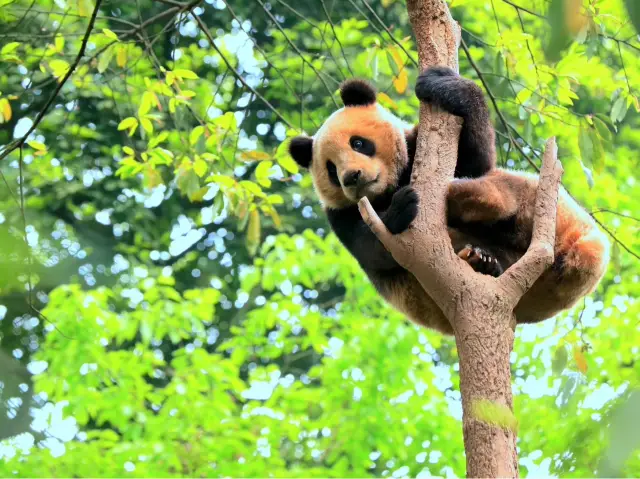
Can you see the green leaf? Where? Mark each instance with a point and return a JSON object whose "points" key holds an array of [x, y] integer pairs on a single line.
{"points": [[127, 123], [59, 67], [188, 74], [263, 169], [275, 199], [633, 8], [110, 34], [288, 164], [619, 110], [222, 180], [252, 187], [586, 145], [558, 36], [195, 134], [156, 140], [9, 48], [200, 167], [625, 436], [253, 232], [560, 359], [146, 124], [602, 129], [188, 182], [59, 43], [523, 95], [598, 158], [105, 59], [146, 102], [36, 145]]}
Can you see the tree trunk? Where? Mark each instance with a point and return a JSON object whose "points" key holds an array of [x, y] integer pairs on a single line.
{"points": [[480, 308]]}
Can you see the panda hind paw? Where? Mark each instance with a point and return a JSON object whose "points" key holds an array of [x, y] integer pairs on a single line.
{"points": [[481, 260]]}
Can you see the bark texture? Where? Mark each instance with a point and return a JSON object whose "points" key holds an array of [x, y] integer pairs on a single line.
{"points": [[479, 307]]}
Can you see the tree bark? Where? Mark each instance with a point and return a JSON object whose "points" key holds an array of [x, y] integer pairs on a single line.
{"points": [[480, 308]]}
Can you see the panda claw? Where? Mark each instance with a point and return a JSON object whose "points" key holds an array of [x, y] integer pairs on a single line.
{"points": [[481, 261]]}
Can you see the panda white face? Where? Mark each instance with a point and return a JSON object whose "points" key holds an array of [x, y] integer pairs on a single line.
{"points": [[359, 151]]}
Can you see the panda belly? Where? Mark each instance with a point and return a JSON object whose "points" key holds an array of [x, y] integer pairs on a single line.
{"points": [[403, 291]]}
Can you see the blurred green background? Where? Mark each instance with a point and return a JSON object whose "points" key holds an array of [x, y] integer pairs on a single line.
{"points": [[172, 302]]}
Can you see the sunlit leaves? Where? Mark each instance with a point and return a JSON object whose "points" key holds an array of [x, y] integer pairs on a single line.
{"points": [[39, 148], [262, 173], [121, 56], [200, 167], [560, 359], [620, 106], [105, 58], [581, 361], [130, 123], [634, 13], [84, 7], [59, 68], [9, 48], [109, 34], [253, 232], [179, 75], [591, 148], [401, 77], [5, 110], [566, 20], [59, 43]]}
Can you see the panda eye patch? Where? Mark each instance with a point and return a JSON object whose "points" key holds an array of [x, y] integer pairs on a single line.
{"points": [[362, 145], [333, 173]]}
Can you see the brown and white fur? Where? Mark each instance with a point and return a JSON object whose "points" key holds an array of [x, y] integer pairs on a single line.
{"points": [[364, 150]]}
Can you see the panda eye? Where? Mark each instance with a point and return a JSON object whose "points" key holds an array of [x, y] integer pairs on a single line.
{"points": [[333, 173], [362, 145]]}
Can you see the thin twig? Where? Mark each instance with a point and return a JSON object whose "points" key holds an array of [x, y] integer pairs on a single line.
{"points": [[604, 210], [615, 238], [503, 120], [300, 54], [207, 33], [18, 144]]}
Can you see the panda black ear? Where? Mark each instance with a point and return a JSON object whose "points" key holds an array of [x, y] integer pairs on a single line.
{"points": [[301, 150], [356, 92]]}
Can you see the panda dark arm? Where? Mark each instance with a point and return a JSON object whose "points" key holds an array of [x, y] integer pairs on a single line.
{"points": [[358, 238], [459, 96]]}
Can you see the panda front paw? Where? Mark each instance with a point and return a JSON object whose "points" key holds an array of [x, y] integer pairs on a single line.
{"points": [[481, 260], [429, 83], [403, 210], [442, 86]]}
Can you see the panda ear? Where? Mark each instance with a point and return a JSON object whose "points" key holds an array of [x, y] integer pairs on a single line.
{"points": [[301, 150], [356, 92]]}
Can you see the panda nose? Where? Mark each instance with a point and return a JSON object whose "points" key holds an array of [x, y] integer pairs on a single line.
{"points": [[351, 178]]}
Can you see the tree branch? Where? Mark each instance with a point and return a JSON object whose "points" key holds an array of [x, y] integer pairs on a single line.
{"points": [[480, 308], [517, 280], [18, 144]]}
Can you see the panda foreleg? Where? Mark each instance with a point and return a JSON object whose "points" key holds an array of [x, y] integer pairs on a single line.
{"points": [[442, 86]]}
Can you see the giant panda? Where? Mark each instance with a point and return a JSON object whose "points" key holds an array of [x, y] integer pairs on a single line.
{"points": [[364, 150]]}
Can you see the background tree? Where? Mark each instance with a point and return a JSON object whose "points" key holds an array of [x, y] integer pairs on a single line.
{"points": [[181, 304]]}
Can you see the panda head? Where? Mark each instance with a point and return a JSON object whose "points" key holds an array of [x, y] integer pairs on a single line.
{"points": [[360, 150]]}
